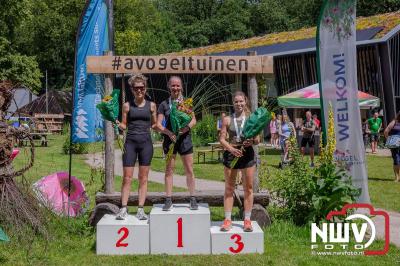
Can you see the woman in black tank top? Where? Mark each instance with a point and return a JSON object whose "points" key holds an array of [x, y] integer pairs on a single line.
{"points": [[138, 116], [393, 129]]}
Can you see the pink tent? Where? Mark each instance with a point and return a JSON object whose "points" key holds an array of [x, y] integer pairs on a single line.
{"points": [[53, 191]]}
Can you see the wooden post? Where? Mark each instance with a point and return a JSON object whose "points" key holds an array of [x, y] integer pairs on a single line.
{"points": [[252, 89], [109, 135]]}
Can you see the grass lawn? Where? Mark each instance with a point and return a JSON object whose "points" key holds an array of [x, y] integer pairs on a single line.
{"points": [[73, 241], [383, 191]]}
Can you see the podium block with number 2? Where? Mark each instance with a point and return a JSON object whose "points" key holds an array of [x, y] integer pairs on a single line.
{"points": [[180, 230], [116, 237], [236, 241]]}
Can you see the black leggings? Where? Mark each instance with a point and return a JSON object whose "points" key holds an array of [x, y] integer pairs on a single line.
{"points": [[138, 146]]}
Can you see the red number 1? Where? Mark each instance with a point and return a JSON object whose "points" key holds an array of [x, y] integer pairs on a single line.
{"points": [[125, 234], [179, 222], [238, 242]]}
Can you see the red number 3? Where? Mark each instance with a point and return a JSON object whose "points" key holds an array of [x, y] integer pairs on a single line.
{"points": [[238, 242], [125, 233]]}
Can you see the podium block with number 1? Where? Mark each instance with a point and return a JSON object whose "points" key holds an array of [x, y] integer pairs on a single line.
{"points": [[180, 230], [115, 237]]}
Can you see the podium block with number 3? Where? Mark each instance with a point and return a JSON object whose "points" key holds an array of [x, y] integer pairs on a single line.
{"points": [[236, 241], [180, 230], [115, 237]]}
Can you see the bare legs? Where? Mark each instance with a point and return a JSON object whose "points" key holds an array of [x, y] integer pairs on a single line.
{"points": [[374, 144], [127, 182], [247, 179], [396, 169], [187, 161]]}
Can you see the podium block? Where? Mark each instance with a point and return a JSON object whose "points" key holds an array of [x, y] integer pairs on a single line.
{"points": [[121, 237], [236, 241], [180, 230]]}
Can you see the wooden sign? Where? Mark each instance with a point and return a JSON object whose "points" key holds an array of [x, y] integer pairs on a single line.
{"points": [[180, 64]]}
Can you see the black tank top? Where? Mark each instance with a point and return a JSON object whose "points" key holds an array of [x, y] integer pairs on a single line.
{"points": [[396, 129], [139, 119]]}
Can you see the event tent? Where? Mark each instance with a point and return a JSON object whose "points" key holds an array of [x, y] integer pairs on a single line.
{"points": [[308, 97]]}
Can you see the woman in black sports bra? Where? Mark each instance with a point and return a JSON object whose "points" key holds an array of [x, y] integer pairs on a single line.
{"points": [[138, 116], [236, 147]]}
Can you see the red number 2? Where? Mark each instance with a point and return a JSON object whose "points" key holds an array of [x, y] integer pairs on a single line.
{"points": [[238, 242], [179, 222], [125, 234]]}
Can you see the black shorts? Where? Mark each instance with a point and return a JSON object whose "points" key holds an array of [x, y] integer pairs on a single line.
{"points": [[183, 146], [374, 137], [395, 156], [310, 142], [138, 146], [246, 161]]}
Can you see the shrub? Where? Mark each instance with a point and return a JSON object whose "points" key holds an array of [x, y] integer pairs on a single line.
{"points": [[205, 131], [76, 148], [333, 186], [293, 187]]}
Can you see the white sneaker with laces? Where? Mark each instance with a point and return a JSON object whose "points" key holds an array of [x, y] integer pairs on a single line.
{"points": [[123, 214], [141, 215]]}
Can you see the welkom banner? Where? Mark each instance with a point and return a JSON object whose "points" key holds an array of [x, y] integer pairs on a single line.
{"points": [[337, 74], [92, 40]]}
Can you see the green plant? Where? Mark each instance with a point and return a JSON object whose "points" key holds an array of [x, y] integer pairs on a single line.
{"points": [[293, 187], [65, 129], [76, 148], [333, 186], [205, 131]]}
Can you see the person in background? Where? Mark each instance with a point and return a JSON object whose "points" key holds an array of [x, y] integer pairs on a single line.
{"points": [[374, 124], [274, 132], [286, 129], [394, 129], [365, 132], [308, 130], [316, 122], [278, 126]]}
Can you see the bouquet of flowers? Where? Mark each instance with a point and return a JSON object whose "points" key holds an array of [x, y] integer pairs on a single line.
{"points": [[109, 106], [253, 126], [180, 116], [109, 110]]}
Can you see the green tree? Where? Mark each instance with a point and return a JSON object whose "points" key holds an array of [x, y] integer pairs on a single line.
{"points": [[20, 69], [49, 34], [141, 29]]}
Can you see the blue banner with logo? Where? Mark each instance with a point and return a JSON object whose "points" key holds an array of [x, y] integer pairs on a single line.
{"points": [[92, 39]]}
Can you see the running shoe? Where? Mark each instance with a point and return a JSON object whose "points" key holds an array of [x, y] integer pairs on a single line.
{"points": [[226, 226], [247, 227], [141, 215], [167, 205], [123, 214], [193, 204]]}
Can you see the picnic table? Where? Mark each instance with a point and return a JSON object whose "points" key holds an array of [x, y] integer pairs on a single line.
{"points": [[40, 137], [215, 147]]}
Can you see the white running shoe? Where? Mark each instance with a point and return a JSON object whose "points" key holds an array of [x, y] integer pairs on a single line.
{"points": [[123, 214], [141, 215]]}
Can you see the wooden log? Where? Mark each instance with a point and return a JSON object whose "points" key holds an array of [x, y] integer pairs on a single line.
{"points": [[213, 198]]}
